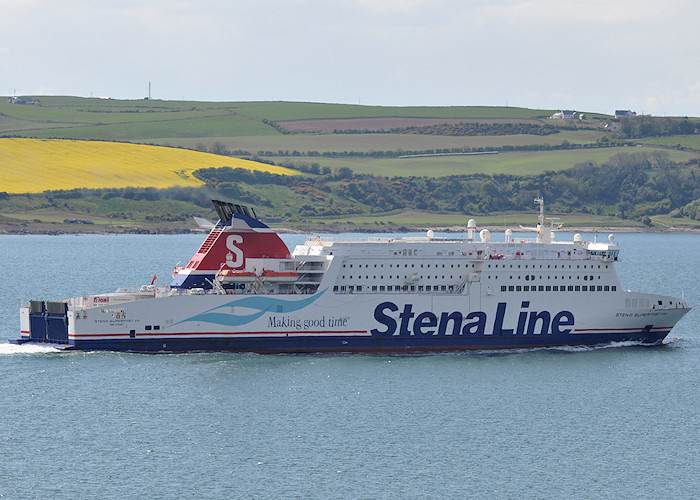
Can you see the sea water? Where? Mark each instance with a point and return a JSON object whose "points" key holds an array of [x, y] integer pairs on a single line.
{"points": [[618, 421]]}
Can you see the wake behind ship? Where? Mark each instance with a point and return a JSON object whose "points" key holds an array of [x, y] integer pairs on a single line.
{"points": [[244, 291]]}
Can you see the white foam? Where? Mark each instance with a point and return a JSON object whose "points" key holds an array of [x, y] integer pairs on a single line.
{"points": [[29, 348], [609, 345], [561, 348]]}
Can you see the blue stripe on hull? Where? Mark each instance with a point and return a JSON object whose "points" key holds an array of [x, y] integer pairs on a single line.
{"points": [[394, 344]]}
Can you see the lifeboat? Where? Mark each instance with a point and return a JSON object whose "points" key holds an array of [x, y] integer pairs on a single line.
{"points": [[279, 276], [231, 276], [496, 256]]}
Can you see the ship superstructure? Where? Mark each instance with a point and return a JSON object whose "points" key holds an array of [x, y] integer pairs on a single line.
{"points": [[245, 291]]}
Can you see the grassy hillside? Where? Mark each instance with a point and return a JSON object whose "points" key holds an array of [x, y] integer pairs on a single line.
{"points": [[201, 119], [336, 147], [251, 129]]}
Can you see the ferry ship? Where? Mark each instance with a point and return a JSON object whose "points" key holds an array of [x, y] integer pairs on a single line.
{"points": [[244, 291]]}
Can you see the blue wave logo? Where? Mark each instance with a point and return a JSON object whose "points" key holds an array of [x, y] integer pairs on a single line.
{"points": [[262, 304]]}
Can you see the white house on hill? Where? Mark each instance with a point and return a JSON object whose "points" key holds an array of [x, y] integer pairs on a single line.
{"points": [[567, 115]]}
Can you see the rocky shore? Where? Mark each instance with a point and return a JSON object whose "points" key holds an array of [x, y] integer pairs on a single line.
{"points": [[62, 228]]}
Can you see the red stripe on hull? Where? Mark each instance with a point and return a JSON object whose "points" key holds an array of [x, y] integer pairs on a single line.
{"points": [[175, 334]]}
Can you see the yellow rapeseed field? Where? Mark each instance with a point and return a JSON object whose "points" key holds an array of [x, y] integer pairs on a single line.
{"points": [[36, 165]]}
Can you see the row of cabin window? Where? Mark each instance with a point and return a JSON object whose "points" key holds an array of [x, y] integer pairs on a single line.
{"points": [[557, 288], [532, 277], [504, 266], [437, 266], [414, 253], [535, 266], [528, 277], [394, 288], [405, 277]]}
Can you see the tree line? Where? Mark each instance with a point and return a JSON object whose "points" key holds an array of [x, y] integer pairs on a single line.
{"points": [[637, 127], [630, 186], [462, 129]]}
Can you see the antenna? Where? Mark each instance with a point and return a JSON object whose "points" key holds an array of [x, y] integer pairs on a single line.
{"points": [[539, 200], [149, 91]]}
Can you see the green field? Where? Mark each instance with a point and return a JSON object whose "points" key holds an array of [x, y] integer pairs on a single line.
{"points": [[143, 131], [512, 163], [684, 141], [82, 111], [323, 143], [284, 111]]}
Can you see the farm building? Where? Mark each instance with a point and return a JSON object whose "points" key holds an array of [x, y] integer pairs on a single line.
{"points": [[567, 115], [20, 100]]}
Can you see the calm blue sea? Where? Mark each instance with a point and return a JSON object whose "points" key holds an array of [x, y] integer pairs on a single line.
{"points": [[610, 422]]}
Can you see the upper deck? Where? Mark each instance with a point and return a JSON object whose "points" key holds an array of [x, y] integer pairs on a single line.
{"points": [[432, 247]]}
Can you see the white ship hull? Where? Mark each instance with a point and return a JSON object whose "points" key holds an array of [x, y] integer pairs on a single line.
{"points": [[404, 295], [372, 322]]}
